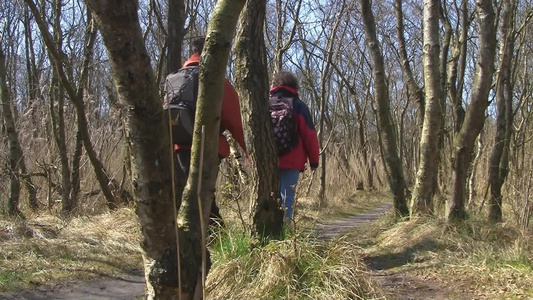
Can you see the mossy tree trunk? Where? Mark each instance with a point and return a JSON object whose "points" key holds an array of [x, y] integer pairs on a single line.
{"points": [[220, 32], [385, 119], [251, 79]]}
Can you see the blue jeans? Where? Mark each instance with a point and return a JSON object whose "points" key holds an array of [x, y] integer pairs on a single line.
{"points": [[288, 179]]}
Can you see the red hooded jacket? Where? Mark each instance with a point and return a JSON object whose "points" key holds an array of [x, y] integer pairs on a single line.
{"points": [[307, 148], [230, 116]]}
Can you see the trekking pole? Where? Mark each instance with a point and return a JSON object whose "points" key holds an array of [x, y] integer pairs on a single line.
{"points": [[172, 177], [200, 209]]}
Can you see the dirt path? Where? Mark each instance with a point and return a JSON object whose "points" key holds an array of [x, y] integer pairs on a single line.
{"points": [[396, 285], [104, 288]]}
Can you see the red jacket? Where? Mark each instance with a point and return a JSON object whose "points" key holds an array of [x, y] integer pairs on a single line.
{"points": [[230, 116], [307, 148]]}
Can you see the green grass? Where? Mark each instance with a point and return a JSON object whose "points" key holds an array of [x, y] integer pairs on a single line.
{"points": [[294, 268]]}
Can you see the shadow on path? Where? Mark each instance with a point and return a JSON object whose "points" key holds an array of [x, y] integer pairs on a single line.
{"points": [[127, 287], [329, 230]]}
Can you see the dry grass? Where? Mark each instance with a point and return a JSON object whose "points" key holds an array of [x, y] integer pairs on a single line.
{"points": [[294, 270], [490, 262], [47, 250]]}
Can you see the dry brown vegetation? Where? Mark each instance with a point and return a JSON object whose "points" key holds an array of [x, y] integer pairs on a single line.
{"points": [[48, 250]]}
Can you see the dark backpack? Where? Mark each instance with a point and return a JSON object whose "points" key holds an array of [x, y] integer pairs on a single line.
{"points": [[181, 91], [283, 123]]}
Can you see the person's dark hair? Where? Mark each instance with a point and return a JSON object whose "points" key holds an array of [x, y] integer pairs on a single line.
{"points": [[198, 46], [285, 78]]}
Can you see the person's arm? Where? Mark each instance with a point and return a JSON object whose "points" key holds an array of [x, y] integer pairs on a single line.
{"points": [[307, 133], [230, 117]]}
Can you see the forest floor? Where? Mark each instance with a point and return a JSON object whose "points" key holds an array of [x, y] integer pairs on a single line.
{"points": [[393, 272]]}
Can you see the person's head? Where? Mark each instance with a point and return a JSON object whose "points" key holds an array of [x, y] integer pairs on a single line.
{"points": [[285, 78], [198, 46]]}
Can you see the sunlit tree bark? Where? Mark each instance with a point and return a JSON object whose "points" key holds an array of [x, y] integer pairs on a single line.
{"points": [[414, 88], [427, 174], [475, 114], [499, 159], [382, 98], [251, 81]]}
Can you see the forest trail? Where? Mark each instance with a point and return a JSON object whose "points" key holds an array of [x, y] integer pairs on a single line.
{"points": [[396, 285]]}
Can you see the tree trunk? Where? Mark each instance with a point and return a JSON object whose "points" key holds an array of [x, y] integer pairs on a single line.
{"points": [[499, 159], [15, 151], [475, 115], [417, 91], [176, 21], [457, 68], [118, 22], [428, 168], [192, 231], [385, 120], [251, 81]]}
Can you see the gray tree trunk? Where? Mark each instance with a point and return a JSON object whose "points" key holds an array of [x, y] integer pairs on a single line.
{"points": [[415, 89], [428, 168], [385, 120], [251, 81], [475, 115], [457, 67], [118, 22], [16, 156], [499, 159]]}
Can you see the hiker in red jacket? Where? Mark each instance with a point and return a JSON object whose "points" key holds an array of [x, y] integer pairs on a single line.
{"points": [[230, 120], [285, 85]]}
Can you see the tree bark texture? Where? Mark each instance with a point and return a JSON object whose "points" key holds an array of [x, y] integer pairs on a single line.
{"points": [[428, 168], [176, 21], [251, 81], [457, 68], [475, 114], [220, 33], [118, 22], [416, 90], [16, 156], [392, 159], [499, 159]]}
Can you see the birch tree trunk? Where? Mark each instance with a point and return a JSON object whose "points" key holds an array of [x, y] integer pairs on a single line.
{"points": [[475, 114], [499, 159], [428, 168], [385, 120], [251, 81]]}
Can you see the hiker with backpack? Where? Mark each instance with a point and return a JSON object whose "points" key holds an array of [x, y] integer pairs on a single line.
{"points": [[181, 91], [295, 135]]}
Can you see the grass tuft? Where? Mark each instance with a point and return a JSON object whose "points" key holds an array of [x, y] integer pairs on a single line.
{"points": [[283, 270]]}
